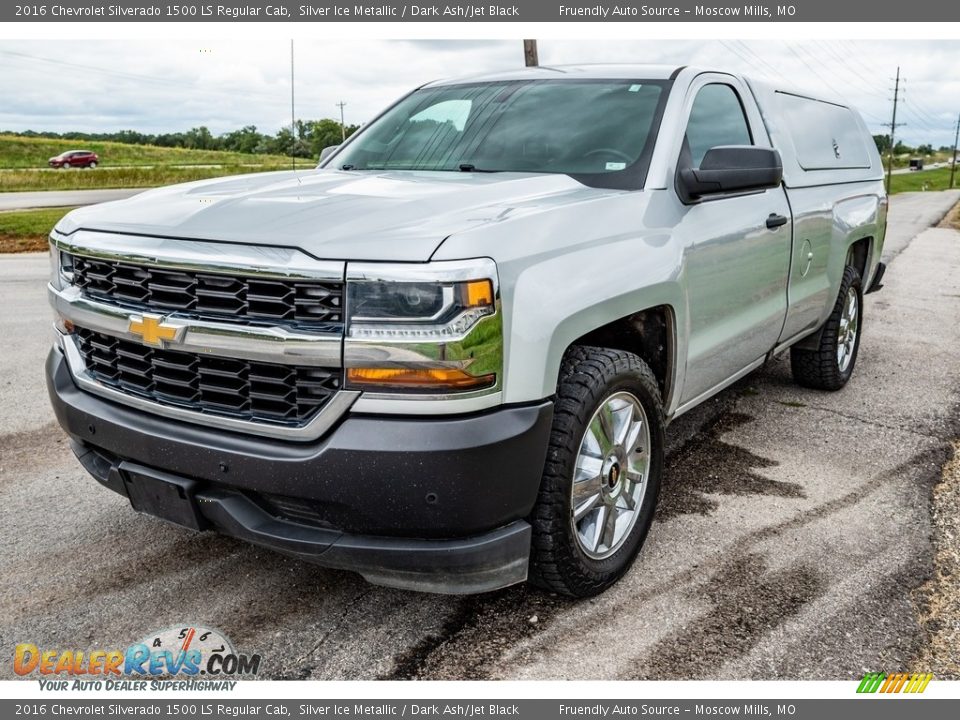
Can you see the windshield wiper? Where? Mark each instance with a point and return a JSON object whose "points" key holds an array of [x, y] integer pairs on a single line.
{"points": [[470, 167]]}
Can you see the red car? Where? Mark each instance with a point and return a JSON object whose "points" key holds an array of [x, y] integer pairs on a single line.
{"points": [[74, 158]]}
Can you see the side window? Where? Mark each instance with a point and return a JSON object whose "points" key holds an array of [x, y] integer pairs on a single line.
{"points": [[716, 118]]}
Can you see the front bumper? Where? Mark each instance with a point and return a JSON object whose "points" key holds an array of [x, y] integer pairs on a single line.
{"points": [[432, 504]]}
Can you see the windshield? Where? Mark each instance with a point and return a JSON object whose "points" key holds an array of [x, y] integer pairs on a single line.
{"points": [[599, 131]]}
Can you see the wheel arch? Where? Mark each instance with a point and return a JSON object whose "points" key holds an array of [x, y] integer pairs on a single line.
{"points": [[650, 334], [542, 332], [859, 256]]}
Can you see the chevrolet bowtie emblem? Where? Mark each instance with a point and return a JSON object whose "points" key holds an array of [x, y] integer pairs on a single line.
{"points": [[152, 330]]}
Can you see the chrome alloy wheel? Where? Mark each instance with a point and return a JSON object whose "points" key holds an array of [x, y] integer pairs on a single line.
{"points": [[610, 476], [849, 327]]}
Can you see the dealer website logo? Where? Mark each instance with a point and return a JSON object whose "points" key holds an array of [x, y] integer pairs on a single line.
{"points": [[188, 650], [894, 683]]}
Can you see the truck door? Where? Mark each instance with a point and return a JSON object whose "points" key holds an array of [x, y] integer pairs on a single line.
{"points": [[737, 247]]}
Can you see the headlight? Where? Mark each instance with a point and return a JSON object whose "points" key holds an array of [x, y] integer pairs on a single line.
{"points": [[61, 276], [61, 268], [425, 329]]}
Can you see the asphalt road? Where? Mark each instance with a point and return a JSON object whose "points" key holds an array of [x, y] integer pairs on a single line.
{"points": [[793, 532], [62, 198], [928, 166]]}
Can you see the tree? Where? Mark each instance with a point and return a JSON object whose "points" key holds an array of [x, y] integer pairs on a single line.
{"points": [[323, 133], [883, 143], [307, 140], [282, 143], [199, 139], [924, 150], [244, 140], [901, 149]]}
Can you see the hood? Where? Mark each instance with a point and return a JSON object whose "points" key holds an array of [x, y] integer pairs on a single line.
{"points": [[331, 214]]}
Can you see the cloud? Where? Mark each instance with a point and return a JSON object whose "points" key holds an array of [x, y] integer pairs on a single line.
{"points": [[162, 86]]}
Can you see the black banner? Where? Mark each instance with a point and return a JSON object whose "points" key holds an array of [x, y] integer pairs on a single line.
{"points": [[517, 11]]}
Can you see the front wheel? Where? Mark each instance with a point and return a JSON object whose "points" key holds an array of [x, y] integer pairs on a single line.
{"points": [[830, 366], [92, 166], [602, 475]]}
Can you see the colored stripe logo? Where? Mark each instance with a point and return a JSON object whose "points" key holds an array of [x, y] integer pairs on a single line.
{"points": [[894, 683]]}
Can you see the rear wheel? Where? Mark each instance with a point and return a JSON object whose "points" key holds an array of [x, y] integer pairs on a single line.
{"points": [[602, 475], [830, 366]]}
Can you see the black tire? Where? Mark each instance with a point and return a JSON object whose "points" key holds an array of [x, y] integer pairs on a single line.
{"points": [[588, 376], [820, 369]]}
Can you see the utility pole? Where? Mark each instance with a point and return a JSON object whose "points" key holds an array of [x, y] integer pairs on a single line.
{"points": [[343, 128], [293, 117], [893, 128], [530, 56], [953, 160]]}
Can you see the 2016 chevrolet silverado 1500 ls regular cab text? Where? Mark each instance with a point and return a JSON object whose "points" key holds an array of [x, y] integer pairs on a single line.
{"points": [[445, 358]]}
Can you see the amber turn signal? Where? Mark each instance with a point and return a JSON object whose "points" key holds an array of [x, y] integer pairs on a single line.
{"points": [[418, 378], [479, 293]]}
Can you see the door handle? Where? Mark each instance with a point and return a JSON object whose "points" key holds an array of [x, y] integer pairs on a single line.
{"points": [[774, 221]]}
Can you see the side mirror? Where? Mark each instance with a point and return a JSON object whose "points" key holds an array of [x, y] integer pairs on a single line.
{"points": [[327, 152], [732, 168]]}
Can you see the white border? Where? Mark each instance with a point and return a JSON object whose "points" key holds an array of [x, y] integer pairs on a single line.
{"points": [[605, 30], [580, 690], [602, 30]]}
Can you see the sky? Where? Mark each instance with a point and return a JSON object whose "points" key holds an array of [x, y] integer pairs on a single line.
{"points": [[170, 85]]}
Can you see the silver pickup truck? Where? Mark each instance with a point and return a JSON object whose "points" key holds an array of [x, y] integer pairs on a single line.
{"points": [[445, 359]]}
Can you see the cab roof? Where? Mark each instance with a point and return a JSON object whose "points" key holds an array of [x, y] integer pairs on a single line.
{"points": [[600, 71]]}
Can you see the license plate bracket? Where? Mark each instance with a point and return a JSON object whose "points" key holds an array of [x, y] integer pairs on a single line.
{"points": [[162, 495]]}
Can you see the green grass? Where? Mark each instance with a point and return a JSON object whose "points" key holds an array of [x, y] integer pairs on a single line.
{"points": [[23, 165], [28, 180], [938, 179], [19, 152], [27, 230]]}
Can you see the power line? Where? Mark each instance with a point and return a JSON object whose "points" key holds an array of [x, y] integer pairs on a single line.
{"points": [[293, 116], [925, 124], [953, 160], [757, 58], [754, 60], [893, 128], [851, 52], [343, 128], [844, 62], [867, 90], [814, 71], [742, 58], [927, 114]]}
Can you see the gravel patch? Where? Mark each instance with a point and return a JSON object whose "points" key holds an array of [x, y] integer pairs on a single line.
{"points": [[938, 601]]}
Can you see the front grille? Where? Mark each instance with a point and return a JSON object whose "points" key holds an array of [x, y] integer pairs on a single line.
{"points": [[194, 294], [242, 389]]}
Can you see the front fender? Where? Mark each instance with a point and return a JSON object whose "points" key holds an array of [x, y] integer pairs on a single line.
{"points": [[556, 302], [567, 268]]}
